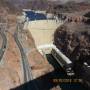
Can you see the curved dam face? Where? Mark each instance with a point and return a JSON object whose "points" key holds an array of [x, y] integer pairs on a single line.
{"points": [[42, 30]]}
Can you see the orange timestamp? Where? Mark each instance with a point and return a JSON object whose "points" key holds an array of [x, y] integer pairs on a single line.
{"points": [[67, 80]]}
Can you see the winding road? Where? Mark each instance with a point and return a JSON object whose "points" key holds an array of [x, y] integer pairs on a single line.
{"points": [[4, 44], [27, 72], [25, 64]]}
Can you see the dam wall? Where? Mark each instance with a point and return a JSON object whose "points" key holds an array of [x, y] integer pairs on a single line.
{"points": [[43, 30]]}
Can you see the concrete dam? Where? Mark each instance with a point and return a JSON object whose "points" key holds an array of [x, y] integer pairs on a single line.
{"points": [[42, 31]]}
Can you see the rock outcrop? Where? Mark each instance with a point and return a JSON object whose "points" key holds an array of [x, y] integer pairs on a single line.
{"points": [[73, 39]]}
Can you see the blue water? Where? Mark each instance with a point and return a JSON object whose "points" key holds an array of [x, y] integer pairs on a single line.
{"points": [[35, 16]]}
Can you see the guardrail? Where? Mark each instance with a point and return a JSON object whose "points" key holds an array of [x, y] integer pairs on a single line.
{"points": [[64, 61]]}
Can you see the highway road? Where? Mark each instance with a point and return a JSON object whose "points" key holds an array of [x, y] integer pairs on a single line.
{"points": [[4, 44], [27, 73], [25, 64]]}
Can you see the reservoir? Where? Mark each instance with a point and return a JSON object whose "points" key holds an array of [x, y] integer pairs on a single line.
{"points": [[35, 16]]}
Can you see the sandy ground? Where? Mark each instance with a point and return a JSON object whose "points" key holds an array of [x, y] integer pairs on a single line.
{"points": [[10, 72], [11, 60], [39, 64], [12, 54], [8, 78]]}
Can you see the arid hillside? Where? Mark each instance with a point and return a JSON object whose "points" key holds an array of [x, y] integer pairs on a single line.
{"points": [[71, 7], [11, 73], [73, 39]]}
